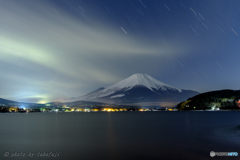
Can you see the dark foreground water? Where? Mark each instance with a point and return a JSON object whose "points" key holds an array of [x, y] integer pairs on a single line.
{"points": [[119, 135]]}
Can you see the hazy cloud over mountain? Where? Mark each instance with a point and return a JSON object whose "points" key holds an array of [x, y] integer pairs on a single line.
{"points": [[60, 49]]}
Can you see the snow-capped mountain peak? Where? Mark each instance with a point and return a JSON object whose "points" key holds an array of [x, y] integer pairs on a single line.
{"points": [[137, 88], [139, 79], [136, 80]]}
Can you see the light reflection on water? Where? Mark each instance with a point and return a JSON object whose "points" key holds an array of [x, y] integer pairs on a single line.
{"points": [[125, 135]]}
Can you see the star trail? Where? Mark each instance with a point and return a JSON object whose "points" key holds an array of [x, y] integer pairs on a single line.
{"points": [[51, 50]]}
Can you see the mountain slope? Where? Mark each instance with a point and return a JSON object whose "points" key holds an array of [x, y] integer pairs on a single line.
{"points": [[220, 99], [6, 101], [138, 88]]}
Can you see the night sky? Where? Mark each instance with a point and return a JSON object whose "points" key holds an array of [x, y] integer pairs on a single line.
{"points": [[56, 49]]}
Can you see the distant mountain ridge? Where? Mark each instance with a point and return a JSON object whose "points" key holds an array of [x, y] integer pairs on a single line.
{"points": [[138, 88], [6, 101]]}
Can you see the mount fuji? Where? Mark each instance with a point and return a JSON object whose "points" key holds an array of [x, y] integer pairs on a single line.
{"points": [[138, 88]]}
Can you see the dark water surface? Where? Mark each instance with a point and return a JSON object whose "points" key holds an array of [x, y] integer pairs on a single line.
{"points": [[119, 135]]}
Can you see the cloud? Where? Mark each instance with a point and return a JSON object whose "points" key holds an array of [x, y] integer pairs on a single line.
{"points": [[62, 56]]}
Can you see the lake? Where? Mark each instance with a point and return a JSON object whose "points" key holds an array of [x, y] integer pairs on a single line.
{"points": [[119, 135]]}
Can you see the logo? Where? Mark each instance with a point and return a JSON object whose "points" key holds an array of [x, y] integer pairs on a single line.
{"points": [[212, 153]]}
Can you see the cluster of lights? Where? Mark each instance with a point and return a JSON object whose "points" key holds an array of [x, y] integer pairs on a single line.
{"points": [[110, 109], [15, 109], [106, 110], [114, 109], [143, 110]]}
